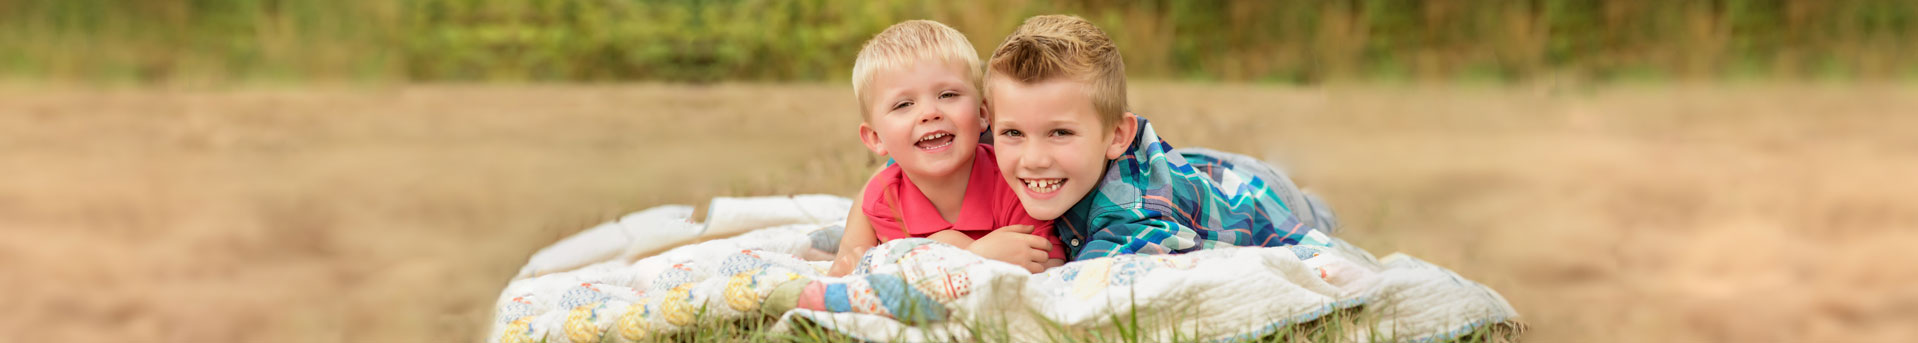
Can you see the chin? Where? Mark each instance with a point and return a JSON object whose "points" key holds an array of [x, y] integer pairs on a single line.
{"points": [[949, 166], [935, 168], [1043, 211]]}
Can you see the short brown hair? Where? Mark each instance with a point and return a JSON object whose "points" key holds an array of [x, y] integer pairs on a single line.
{"points": [[910, 42], [1055, 46]]}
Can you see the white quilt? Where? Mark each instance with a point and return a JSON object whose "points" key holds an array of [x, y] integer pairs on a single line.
{"points": [[595, 287]]}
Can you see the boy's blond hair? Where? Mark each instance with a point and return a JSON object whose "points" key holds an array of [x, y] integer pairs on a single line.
{"points": [[910, 42], [1051, 47]]}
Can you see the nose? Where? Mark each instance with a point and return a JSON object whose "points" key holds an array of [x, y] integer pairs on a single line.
{"points": [[932, 114], [1035, 159]]}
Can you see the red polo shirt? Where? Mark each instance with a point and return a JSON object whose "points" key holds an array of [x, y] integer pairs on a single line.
{"points": [[989, 204]]}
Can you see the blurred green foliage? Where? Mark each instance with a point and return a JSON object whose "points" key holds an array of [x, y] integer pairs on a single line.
{"points": [[1302, 41]]}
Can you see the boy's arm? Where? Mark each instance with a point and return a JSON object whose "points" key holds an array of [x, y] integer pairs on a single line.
{"points": [[853, 243], [1154, 233], [952, 237], [858, 229], [1014, 244], [858, 235], [1140, 235]]}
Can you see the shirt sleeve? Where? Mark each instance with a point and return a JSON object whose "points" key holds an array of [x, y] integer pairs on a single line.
{"points": [[1147, 234], [877, 210]]}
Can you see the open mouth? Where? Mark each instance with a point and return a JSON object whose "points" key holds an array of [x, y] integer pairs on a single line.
{"points": [[1043, 186], [934, 140]]}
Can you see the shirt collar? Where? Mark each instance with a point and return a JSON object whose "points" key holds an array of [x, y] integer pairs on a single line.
{"points": [[922, 218]]}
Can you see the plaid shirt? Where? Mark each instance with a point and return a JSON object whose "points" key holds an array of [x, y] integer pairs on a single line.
{"points": [[1152, 201]]}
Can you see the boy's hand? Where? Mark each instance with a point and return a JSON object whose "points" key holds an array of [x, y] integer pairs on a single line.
{"points": [[1016, 245], [844, 264]]}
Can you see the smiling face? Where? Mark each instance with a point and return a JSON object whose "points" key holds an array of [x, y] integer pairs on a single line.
{"points": [[926, 116], [1051, 146]]}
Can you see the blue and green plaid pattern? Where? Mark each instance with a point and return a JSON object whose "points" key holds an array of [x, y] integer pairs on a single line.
{"points": [[1152, 201]]}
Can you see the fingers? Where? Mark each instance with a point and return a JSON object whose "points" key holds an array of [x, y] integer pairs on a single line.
{"points": [[1038, 256], [1035, 268], [1037, 242]]}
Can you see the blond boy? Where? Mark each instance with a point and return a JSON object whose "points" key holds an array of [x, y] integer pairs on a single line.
{"points": [[917, 84], [1057, 91]]}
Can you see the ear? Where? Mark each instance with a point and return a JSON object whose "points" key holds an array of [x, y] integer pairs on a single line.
{"points": [[1122, 136], [985, 115], [871, 139]]}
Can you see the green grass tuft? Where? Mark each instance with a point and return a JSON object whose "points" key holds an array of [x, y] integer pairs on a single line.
{"points": [[1345, 325]]}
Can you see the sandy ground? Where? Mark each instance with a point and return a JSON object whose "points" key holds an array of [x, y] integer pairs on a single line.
{"points": [[1744, 213]]}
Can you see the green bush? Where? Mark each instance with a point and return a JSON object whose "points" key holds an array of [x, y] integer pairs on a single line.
{"points": [[775, 40]]}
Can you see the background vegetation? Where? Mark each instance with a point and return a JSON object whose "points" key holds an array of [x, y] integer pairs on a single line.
{"points": [[1296, 41], [383, 196]]}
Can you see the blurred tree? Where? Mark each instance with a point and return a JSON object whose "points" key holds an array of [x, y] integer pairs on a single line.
{"points": [[711, 40]]}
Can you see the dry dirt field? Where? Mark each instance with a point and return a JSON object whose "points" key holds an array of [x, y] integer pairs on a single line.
{"points": [[1682, 213]]}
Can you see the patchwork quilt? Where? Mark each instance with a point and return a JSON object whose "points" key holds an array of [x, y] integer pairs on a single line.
{"points": [[657, 272]]}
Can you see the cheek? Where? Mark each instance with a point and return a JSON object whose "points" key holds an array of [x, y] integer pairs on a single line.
{"points": [[897, 132], [1087, 163], [968, 114], [1008, 158]]}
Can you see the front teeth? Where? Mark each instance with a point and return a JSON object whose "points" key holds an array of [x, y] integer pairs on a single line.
{"points": [[933, 137], [1043, 185]]}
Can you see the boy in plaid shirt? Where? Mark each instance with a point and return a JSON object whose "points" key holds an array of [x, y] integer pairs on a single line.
{"points": [[1056, 92]]}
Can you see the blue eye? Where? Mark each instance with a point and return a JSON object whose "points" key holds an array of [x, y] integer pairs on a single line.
{"points": [[1062, 132], [1011, 133]]}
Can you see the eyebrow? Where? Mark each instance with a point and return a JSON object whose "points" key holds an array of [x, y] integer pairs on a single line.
{"points": [[894, 95], [1053, 123], [942, 85]]}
